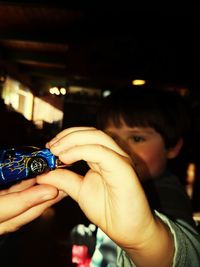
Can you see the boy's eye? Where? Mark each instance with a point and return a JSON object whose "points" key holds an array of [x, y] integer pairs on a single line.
{"points": [[137, 138]]}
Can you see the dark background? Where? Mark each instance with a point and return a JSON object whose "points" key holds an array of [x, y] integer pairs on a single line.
{"points": [[99, 45]]}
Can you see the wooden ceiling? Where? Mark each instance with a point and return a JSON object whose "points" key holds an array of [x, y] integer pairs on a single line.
{"points": [[49, 42]]}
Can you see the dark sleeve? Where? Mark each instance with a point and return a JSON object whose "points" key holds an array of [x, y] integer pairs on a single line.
{"points": [[3, 239], [4, 250], [168, 196]]}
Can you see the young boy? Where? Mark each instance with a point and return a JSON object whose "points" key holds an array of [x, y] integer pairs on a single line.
{"points": [[151, 125], [127, 192]]}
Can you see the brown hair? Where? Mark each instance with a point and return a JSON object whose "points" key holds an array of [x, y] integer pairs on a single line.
{"points": [[165, 111]]}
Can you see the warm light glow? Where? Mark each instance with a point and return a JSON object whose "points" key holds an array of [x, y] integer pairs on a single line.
{"points": [[184, 91], [57, 91], [138, 82], [63, 91], [191, 173], [18, 96], [54, 91], [51, 90], [44, 111], [191, 170]]}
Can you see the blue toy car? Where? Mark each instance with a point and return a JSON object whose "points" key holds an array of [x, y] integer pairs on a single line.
{"points": [[26, 162]]}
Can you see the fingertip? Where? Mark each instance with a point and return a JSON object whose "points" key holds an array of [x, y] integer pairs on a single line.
{"points": [[41, 190], [45, 178], [62, 194], [47, 145]]}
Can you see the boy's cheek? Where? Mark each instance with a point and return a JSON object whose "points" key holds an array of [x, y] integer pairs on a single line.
{"points": [[147, 166]]}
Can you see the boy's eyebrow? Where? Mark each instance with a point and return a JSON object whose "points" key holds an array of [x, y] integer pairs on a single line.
{"points": [[141, 133], [142, 130]]}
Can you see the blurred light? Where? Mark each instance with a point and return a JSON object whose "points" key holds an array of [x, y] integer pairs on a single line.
{"points": [[52, 90], [138, 82], [184, 91], [191, 170], [3, 76], [47, 112], [191, 173], [92, 227], [57, 91], [2, 79], [106, 93], [63, 91], [196, 217], [80, 255]]}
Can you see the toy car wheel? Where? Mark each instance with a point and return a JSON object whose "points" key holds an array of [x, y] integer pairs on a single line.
{"points": [[37, 165]]}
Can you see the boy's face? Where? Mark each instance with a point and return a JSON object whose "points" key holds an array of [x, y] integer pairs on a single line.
{"points": [[144, 145]]}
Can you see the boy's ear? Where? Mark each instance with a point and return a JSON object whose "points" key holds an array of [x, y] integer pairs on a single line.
{"points": [[174, 151]]}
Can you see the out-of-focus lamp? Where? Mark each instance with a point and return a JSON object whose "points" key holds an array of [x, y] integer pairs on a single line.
{"points": [[138, 82], [57, 91], [63, 91]]}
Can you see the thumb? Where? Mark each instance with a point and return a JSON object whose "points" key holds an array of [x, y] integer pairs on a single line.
{"points": [[64, 180]]}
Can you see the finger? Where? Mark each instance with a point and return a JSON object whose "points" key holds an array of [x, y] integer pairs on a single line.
{"points": [[106, 159], [84, 137], [16, 203], [29, 215], [64, 180], [20, 186], [66, 132]]}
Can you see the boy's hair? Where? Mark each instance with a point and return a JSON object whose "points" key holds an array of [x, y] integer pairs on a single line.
{"points": [[165, 111]]}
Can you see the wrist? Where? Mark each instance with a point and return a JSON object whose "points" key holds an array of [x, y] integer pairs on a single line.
{"points": [[156, 246]]}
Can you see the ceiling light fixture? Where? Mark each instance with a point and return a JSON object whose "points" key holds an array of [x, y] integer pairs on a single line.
{"points": [[57, 90], [138, 82]]}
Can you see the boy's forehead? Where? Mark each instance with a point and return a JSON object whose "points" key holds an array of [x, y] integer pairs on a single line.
{"points": [[129, 129], [119, 122]]}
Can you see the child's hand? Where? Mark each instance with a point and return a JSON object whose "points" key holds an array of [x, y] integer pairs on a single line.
{"points": [[24, 202], [110, 194]]}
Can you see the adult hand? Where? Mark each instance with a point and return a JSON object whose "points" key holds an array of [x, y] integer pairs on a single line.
{"points": [[24, 202]]}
